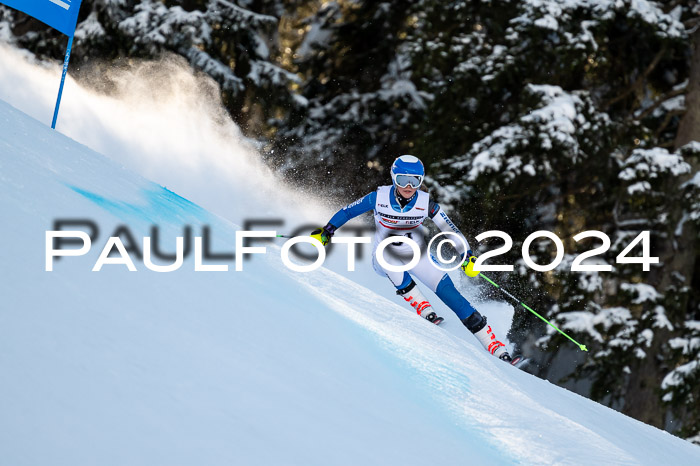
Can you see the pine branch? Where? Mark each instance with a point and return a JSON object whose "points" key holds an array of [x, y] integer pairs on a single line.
{"points": [[664, 98], [666, 121], [691, 24], [666, 145], [639, 83]]}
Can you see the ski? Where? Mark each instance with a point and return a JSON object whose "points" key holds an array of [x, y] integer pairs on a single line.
{"points": [[519, 361]]}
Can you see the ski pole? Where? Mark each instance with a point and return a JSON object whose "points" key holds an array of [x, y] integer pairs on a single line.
{"points": [[504, 291]]}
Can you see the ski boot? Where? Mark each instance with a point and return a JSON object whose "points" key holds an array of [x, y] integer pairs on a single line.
{"points": [[412, 295], [476, 323], [506, 357], [517, 360]]}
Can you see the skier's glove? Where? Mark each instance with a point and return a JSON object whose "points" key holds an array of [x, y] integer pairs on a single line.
{"points": [[468, 265], [323, 234]]}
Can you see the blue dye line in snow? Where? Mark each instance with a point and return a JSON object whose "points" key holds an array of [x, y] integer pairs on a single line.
{"points": [[160, 205]]}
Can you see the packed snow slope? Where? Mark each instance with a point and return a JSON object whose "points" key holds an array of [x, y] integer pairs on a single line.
{"points": [[259, 366]]}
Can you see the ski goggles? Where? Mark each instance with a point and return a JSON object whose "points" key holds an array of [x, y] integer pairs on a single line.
{"points": [[403, 181]]}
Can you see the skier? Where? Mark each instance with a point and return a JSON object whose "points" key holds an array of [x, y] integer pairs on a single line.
{"points": [[399, 210]]}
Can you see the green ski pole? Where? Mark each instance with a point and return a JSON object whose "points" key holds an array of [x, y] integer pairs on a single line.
{"points": [[504, 291]]}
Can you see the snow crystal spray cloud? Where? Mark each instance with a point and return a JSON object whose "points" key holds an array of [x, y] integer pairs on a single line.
{"points": [[164, 121]]}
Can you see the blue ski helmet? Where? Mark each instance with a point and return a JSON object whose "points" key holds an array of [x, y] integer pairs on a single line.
{"points": [[407, 170]]}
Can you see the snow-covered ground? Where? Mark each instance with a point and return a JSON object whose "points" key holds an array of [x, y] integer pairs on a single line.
{"points": [[260, 366]]}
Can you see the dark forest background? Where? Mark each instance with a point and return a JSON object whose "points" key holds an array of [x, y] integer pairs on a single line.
{"points": [[556, 115]]}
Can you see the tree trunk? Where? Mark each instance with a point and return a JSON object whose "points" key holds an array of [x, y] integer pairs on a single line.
{"points": [[689, 128], [676, 253]]}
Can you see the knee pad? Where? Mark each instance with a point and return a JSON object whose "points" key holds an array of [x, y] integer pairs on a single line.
{"points": [[475, 322]]}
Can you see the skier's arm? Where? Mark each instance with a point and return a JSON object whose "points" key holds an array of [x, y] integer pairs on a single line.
{"points": [[443, 222], [350, 211]]}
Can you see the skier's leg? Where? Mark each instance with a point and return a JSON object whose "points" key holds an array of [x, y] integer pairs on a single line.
{"points": [[446, 291], [471, 318], [439, 282], [407, 289], [412, 295], [398, 279]]}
